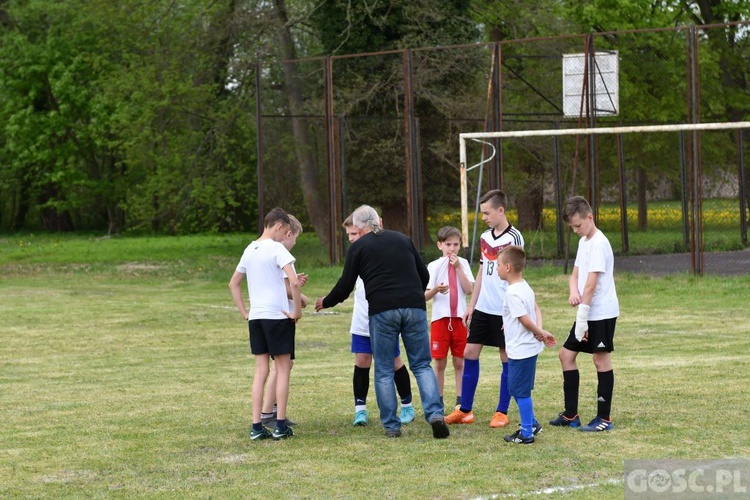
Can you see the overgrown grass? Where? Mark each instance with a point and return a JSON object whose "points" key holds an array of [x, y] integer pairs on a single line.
{"points": [[125, 373]]}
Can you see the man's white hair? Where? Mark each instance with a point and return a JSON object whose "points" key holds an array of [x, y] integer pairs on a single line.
{"points": [[366, 217]]}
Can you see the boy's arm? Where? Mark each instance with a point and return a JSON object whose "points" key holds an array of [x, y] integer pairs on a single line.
{"points": [[537, 331], [304, 300], [584, 307], [574, 298], [538, 313], [466, 285], [293, 284], [236, 289], [474, 295]]}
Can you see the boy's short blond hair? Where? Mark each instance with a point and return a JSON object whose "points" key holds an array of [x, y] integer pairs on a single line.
{"points": [[295, 226], [515, 257], [576, 205]]}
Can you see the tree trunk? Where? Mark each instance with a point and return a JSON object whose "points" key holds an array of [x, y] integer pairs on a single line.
{"points": [[314, 200]]}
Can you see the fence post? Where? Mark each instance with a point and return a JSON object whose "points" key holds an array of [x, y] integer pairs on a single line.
{"points": [[259, 147], [333, 193], [623, 193], [696, 240], [742, 181], [591, 123]]}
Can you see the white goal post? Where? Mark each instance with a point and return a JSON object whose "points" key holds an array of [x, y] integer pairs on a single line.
{"points": [[462, 138]]}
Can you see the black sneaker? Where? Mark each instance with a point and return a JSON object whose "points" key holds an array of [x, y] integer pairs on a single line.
{"points": [[279, 434], [263, 433], [563, 421], [517, 438], [393, 433], [439, 429], [272, 420]]}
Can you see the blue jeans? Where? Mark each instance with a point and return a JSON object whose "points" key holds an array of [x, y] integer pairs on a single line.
{"points": [[411, 324]]}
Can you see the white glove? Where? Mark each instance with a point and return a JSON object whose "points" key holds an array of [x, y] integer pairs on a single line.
{"points": [[582, 321]]}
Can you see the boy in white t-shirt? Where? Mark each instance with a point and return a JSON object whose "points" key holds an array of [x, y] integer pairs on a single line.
{"points": [[592, 289], [266, 262], [451, 281], [362, 350], [269, 413], [524, 340]]}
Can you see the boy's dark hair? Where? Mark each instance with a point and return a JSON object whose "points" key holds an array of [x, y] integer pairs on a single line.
{"points": [[515, 256], [275, 216], [576, 205], [446, 232], [496, 198]]}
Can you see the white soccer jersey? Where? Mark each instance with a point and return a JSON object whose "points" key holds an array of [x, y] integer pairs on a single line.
{"points": [[492, 291], [262, 263], [519, 342], [360, 314], [441, 303], [595, 256]]}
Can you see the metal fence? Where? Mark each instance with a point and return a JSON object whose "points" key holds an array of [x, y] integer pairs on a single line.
{"points": [[382, 129]]}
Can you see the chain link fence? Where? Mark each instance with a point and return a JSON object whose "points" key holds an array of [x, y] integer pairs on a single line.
{"points": [[383, 129]]}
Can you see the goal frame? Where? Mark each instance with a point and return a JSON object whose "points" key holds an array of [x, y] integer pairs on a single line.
{"points": [[696, 236]]}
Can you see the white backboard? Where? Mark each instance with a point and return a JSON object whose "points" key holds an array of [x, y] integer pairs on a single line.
{"points": [[605, 72]]}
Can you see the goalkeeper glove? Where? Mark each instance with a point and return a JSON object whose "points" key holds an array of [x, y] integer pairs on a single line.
{"points": [[582, 321]]}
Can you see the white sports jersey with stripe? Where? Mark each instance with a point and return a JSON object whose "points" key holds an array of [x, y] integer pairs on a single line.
{"points": [[492, 293]]}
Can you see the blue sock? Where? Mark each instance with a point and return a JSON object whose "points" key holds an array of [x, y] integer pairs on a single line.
{"points": [[281, 425], [504, 403], [469, 384], [257, 426], [526, 410]]}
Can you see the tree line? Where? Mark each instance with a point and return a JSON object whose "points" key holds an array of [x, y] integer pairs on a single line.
{"points": [[136, 116]]}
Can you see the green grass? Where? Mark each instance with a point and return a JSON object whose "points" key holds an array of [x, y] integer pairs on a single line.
{"points": [[125, 372]]}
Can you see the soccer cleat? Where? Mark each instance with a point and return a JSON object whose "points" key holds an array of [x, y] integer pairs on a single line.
{"points": [[598, 425], [263, 433], [536, 428], [393, 433], [360, 418], [499, 419], [407, 414], [563, 421], [279, 434], [517, 438], [439, 429], [459, 417]]}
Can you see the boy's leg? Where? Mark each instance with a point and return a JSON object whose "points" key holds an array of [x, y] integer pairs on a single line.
{"points": [[470, 377], [571, 381], [458, 368], [605, 388], [283, 364], [259, 382], [403, 387], [504, 397], [439, 365], [269, 399]]}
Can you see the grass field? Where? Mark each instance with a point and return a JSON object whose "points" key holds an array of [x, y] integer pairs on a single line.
{"points": [[125, 372]]}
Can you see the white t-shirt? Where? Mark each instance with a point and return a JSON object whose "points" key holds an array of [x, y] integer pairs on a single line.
{"points": [[520, 343], [360, 314], [286, 280], [492, 291], [263, 262], [595, 256], [441, 303]]}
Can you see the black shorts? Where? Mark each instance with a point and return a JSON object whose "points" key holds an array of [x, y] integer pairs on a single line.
{"points": [[272, 336], [486, 329], [601, 337]]}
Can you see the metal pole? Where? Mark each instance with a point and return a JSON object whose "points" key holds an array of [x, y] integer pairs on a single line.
{"points": [[558, 192], [685, 193], [591, 119], [697, 194], [623, 194], [743, 190]]}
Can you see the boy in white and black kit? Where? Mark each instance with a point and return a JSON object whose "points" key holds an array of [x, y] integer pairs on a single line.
{"points": [[592, 290], [266, 262]]}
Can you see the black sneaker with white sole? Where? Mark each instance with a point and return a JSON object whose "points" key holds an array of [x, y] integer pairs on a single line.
{"points": [[517, 438]]}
